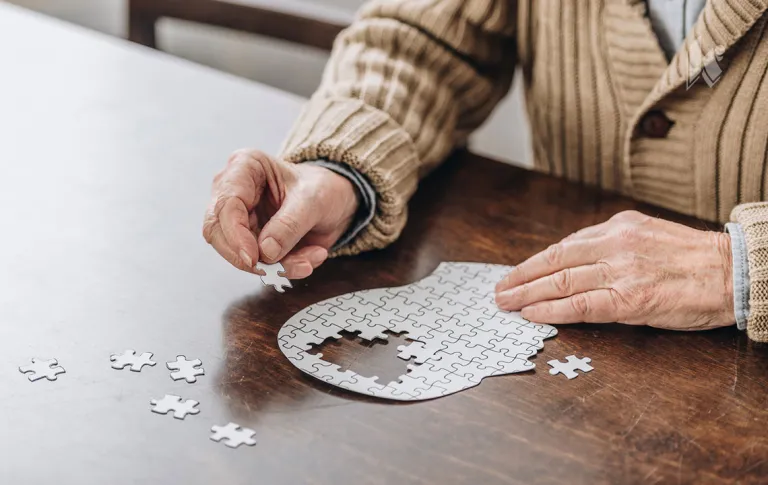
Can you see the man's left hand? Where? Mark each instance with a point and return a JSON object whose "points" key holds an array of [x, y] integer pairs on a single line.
{"points": [[632, 269]]}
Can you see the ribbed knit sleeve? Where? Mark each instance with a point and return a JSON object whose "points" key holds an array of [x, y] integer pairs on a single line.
{"points": [[406, 84], [754, 222]]}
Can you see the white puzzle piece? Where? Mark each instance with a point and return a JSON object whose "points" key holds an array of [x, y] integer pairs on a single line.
{"points": [[274, 276], [458, 334], [130, 358], [570, 366], [233, 435], [174, 403], [42, 369], [185, 369]]}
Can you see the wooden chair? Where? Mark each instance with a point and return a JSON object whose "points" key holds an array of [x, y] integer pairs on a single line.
{"points": [[144, 14]]}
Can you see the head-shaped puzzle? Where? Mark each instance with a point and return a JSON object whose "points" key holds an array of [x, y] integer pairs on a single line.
{"points": [[459, 336]]}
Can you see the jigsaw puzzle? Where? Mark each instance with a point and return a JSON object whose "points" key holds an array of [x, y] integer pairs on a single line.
{"points": [[458, 334], [42, 369], [570, 366], [185, 369], [174, 403], [130, 358], [274, 275], [234, 435]]}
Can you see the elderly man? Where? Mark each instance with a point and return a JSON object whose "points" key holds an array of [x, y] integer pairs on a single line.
{"points": [[662, 100]]}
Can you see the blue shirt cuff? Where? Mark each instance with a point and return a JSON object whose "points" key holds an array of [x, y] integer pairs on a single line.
{"points": [[366, 195], [740, 274]]}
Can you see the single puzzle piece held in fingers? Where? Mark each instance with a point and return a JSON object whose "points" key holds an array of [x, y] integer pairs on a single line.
{"points": [[174, 403], [40, 368], [458, 335], [185, 369], [274, 276], [569, 368], [130, 358], [234, 435]]}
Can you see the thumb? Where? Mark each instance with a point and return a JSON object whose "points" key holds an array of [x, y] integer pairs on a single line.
{"points": [[284, 230]]}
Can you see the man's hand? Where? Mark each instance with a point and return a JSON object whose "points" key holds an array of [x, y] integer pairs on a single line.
{"points": [[267, 209], [632, 269]]}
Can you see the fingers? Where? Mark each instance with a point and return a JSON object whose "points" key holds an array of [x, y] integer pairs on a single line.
{"points": [[597, 306], [565, 254], [566, 282], [291, 222], [236, 190], [254, 189], [244, 178], [300, 263], [215, 238], [235, 225], [214, 235]]}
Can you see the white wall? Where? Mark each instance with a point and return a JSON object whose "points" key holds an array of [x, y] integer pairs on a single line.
{"points": [[289, 67]]}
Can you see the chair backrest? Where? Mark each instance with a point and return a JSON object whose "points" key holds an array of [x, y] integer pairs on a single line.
{"points": [[261, 17]]}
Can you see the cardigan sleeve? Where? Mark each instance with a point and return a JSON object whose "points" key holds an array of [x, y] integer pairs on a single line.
{"points": [[753, 219], [405, 85]]}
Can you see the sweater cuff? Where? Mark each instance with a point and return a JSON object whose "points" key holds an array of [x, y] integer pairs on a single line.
{"points": [[350, 132], [753, 219], [740, 274], [365, 195]]}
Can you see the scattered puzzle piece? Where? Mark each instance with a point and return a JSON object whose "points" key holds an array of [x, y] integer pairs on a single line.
{"points": [[233, 435], [173, 403], [569, 368], [185, 369], [274, 276], [129, 358], [40, 368]]}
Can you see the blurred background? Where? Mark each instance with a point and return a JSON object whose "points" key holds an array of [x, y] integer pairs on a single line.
{"points": [[294, 66]]}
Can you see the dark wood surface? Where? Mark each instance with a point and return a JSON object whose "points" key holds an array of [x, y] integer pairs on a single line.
{"points": [[103, 181], [144, 14]]}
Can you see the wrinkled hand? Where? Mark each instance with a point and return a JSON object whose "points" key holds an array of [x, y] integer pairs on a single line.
{"points": [[269, 209], [631, 269]]}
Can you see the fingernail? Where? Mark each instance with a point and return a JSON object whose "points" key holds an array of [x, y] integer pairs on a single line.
{"points": [[302, 270], [528, 313], [317, 256], [504, 300], [499, 299], [504, 284], [246, 259], [270, 248]]}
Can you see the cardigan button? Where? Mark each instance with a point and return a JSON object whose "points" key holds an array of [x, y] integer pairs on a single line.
{"points": [[655, 124]]}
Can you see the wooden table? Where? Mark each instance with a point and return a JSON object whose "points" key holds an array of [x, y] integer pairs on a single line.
{"points": [[106, 155]]}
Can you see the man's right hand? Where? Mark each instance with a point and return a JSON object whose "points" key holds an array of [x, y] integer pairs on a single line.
{"points": [[269, 210]]}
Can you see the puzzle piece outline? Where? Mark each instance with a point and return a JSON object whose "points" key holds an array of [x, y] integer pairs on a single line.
{"points": [[229, 432], [130, 358], [185, 369], [38, 369], [170, 402], [274, 276], [570, 366]]}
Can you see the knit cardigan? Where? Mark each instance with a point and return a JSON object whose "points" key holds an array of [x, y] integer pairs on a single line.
{"points": [[411, 79]]}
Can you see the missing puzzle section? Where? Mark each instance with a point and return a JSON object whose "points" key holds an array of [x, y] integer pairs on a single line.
{"points": [[368, 358]]}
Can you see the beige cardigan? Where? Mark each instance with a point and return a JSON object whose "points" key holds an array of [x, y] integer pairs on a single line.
{"points": [[411, 79]]}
